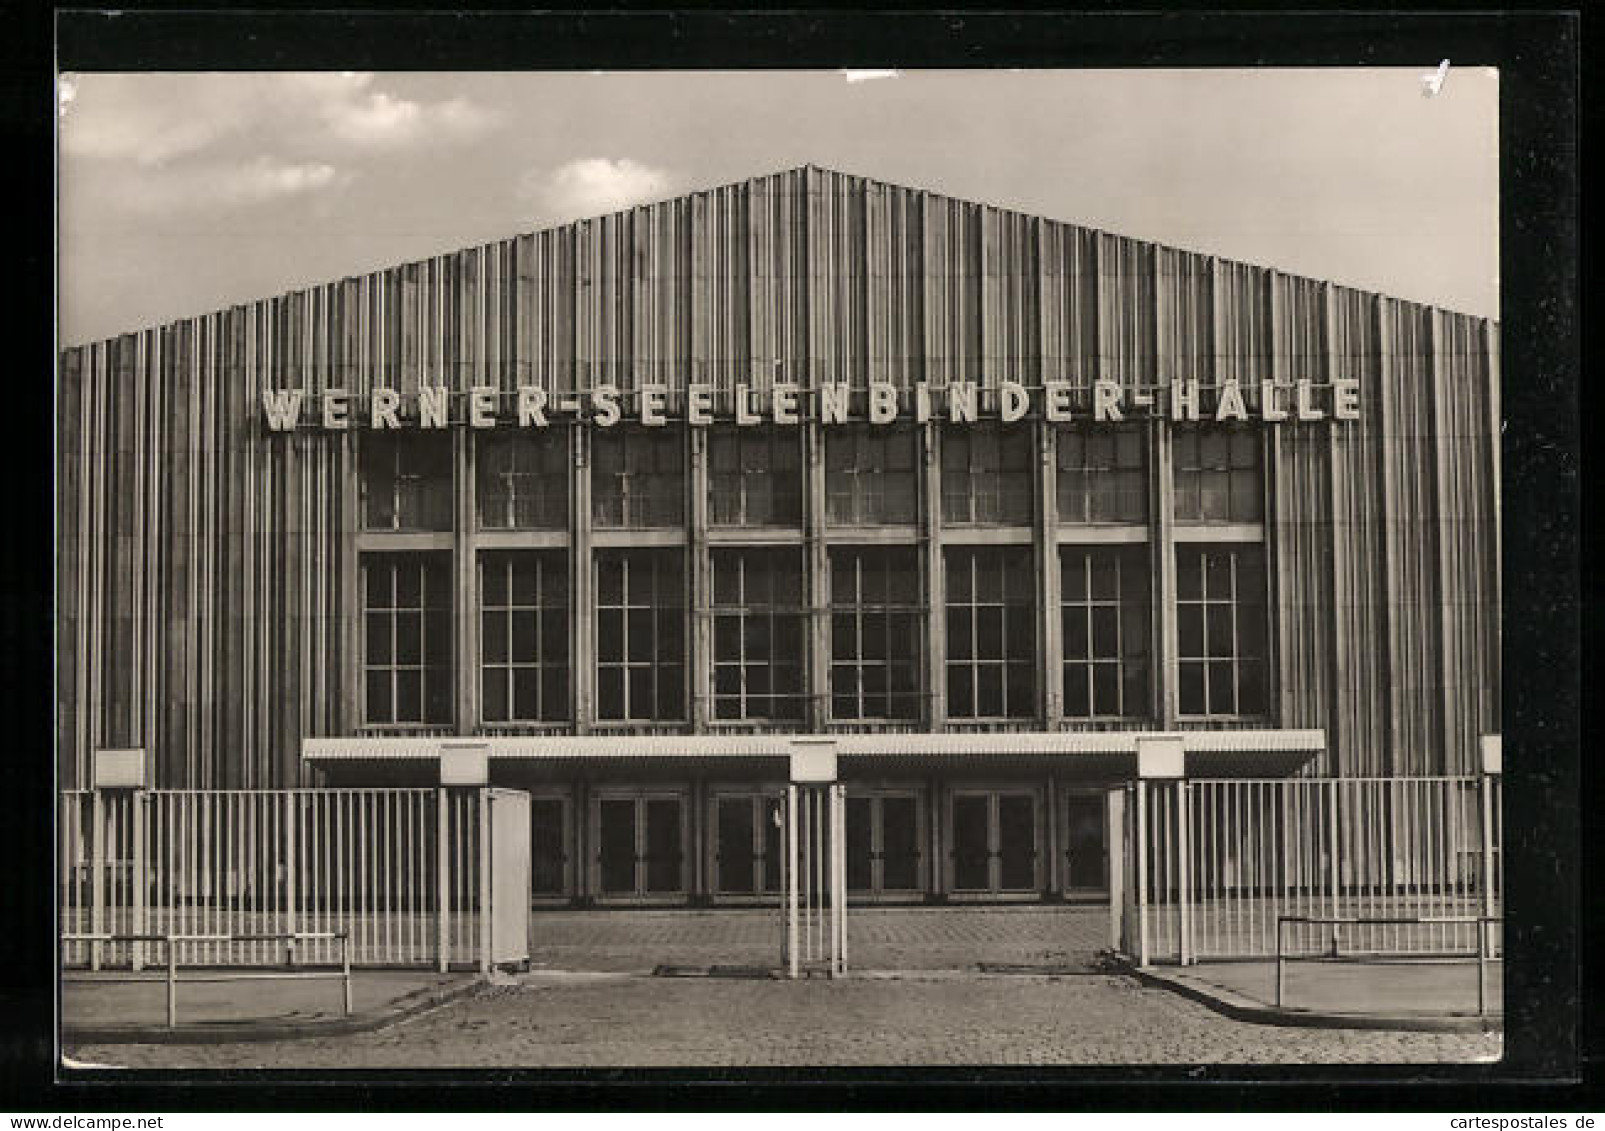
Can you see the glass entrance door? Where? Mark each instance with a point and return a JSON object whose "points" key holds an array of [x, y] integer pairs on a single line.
{"points": [[548, 854], [1086, 844], [994, 836], [747, 844], [640, 846], [883, 843]]}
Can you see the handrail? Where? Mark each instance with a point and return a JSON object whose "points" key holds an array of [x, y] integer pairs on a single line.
{"points": [[344, 973], [1481, 957]]}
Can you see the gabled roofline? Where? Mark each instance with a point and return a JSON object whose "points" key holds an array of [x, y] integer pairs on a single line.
{"points": [[805, 169]]}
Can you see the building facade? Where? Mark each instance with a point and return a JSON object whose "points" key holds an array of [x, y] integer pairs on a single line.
{"points": [[641, 500]]}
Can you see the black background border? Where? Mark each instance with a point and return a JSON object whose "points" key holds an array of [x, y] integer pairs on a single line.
{"points": [[1541, 115]]}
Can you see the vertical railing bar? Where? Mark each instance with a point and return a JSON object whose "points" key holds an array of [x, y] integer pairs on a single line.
{"points": [[368, 840], [791, 878], [384, 802], [415, 876], [1142, 873], [288, 827], [97, 867], [253, 849], [482, 857], [442, 914]]}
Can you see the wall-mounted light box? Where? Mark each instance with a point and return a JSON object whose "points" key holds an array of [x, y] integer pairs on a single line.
{"points": [[120, 768]]}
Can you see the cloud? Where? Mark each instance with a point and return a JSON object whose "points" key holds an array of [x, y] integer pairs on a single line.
{"points": [[153, 120], [593, 186], [222, 184], [381, 119]]}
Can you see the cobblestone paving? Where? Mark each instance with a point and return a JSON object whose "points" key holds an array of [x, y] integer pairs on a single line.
{"points": [[930, 1018], [879, 938]]}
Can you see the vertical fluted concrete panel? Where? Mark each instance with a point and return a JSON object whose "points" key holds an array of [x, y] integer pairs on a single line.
{"points": [[778, 253], [1186, 324], [1126, 311], [953, 281], [1243, 346], [895, 284], [1069, 305], [1410, 546], [1360, 654], [1466, 493], [838, 266], [1011, 329], [1289, 323]]}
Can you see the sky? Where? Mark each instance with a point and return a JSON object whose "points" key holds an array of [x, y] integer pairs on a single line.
{"points": [[185, 193]]}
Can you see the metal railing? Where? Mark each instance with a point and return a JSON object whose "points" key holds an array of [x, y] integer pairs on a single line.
{"points": [[1333, 952], [172, 943], [396, 868], [1214, 864]]}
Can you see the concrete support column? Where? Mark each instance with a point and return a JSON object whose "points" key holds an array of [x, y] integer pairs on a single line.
{"points": [[1050, 646], [1162, 571], [699, 657], [930, 492], [816, 576], [582, 600], [352, 704], [465, 584]]}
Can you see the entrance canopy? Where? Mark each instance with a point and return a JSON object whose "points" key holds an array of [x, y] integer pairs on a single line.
{"points": [[1213, 753]]}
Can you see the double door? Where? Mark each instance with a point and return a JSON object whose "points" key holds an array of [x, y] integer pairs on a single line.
{"points": [[640, 843], [994, 837], [884, 837]]}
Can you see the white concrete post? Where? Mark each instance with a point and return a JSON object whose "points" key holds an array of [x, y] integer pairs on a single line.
{"points": [[1120, 853], [1160, 757], [443, 880]]}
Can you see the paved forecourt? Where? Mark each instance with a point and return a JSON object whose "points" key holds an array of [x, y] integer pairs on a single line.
{"points": [[878, 938], [934, 1018]]}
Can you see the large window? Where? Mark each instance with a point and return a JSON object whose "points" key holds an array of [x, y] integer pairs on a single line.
{"points": [[523, 482], [640, 635], [755, 478], [638, 477], [986, 474], [877, 628], [406, 481], [991, 634], [1104, 595], [1221, 630], [523, 637], [869, 475], [1218, 475], [758, 648], [1100, 476], [406, 601]]}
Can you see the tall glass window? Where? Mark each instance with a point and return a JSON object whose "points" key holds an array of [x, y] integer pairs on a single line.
{"points": [[991, 633], [869, 475], [1104, 595], [986, 474], [1218, 475], [523, 481], [406, 656], [877, 629], [758, 646], [640, 635], [1101, 476], [638, 477], [523, 637], [755, 477], [406, 481], [1221, 630]]}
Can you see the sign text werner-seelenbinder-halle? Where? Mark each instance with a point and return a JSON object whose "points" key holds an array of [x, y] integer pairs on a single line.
{"points": [[959, 402]]}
